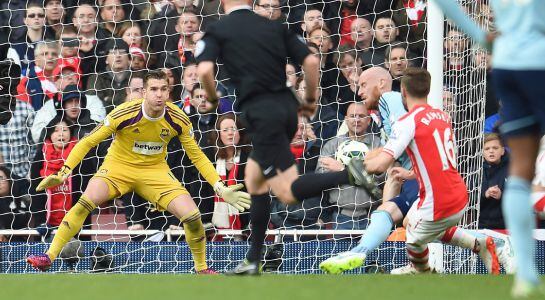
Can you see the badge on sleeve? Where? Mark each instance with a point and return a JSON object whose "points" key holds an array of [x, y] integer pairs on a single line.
{"points": [[199, 47]]}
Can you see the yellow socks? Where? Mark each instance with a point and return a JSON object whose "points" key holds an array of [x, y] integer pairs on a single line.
{"points": [[195, 238], [70, 225]]}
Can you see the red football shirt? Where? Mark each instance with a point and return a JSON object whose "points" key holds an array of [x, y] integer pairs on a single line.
{"points": [[427, 136]]}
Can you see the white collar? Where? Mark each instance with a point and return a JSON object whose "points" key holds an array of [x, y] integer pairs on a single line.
{"points": [[239, 7], [150, 118]]}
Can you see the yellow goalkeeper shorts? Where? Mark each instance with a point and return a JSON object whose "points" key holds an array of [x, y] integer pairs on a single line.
{"points": [[156, 184]]}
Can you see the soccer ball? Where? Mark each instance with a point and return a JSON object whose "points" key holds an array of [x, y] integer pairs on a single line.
{"points": [[350, 149]]}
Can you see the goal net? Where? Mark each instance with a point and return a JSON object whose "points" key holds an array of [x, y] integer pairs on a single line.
{"points": [[100, 50]]}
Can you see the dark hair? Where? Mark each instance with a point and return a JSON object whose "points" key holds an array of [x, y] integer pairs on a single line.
{"points": [[416, 82], [50, 128], [342, 51], [393, 46], [33, 4], [384, 16], [196, 86], [214, 139], [155, 74]]}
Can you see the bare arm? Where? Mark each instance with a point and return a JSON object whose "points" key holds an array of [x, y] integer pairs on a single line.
{"points": [[311, 67], [205, 69], [378, 164]]}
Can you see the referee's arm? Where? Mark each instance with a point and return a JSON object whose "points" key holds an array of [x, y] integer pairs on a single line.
{"points": [[311, 67], [205, 69]]}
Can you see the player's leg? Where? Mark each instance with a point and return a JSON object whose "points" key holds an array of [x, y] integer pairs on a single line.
{"points": [[185, 209], [97, 192], [381, 224], [159, 186], [419, 233], [272, 127], [259, 217], [521, 116], [484, 246]]}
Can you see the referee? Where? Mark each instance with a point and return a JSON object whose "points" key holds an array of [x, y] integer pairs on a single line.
{"points": [[254, 51]]}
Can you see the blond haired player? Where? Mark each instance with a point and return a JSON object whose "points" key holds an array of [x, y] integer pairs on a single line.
{"points": [[136, 162]]}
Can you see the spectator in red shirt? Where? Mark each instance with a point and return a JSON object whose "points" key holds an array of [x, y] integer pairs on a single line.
{"points": [[50, 206]]}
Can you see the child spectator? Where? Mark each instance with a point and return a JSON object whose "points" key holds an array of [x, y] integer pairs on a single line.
{"points": [[495, 168], [50, 207]]}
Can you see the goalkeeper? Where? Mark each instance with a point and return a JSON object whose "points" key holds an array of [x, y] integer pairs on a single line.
{"points": [[136, 162]]}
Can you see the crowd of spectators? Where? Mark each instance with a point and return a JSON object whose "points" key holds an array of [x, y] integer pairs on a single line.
{"points": [[82, 58]]}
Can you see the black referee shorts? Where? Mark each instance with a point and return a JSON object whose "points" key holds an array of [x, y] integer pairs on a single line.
{"points": [[271, 122]]}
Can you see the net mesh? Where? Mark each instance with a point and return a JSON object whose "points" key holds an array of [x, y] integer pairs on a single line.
{"points": [[104, 48]]}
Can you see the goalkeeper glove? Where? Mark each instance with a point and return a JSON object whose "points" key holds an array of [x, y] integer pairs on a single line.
{"points": [[54, 179], [233, 195]]}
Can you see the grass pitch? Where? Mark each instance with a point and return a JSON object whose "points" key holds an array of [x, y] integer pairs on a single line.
{"points": [[288, 287]]}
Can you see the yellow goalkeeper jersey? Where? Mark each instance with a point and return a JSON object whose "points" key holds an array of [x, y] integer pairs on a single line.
{"points": [[140, 140]]}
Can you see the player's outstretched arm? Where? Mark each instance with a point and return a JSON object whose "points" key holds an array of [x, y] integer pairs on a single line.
{"points": [[231, 194], [453, 11], [100, 133]]}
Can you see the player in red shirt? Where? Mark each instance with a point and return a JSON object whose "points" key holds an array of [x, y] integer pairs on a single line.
{"points": [[426, 134]]}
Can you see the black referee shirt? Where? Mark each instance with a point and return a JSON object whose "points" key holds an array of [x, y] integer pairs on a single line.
{"points": [[253, 51]]}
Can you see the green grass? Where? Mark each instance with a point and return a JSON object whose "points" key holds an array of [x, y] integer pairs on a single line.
{"points": [[282, 287]]}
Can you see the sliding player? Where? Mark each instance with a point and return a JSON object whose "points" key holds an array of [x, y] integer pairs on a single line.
{"points": [[375, 89]]}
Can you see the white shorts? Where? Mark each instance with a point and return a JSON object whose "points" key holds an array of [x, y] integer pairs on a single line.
{"points": [[421, 232], [539, 178]]}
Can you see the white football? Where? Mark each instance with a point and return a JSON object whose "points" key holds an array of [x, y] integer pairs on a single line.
{"points": [[349, 149]]}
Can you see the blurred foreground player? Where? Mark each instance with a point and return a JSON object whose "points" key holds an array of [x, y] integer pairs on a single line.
{"points": [[518, 73]]}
